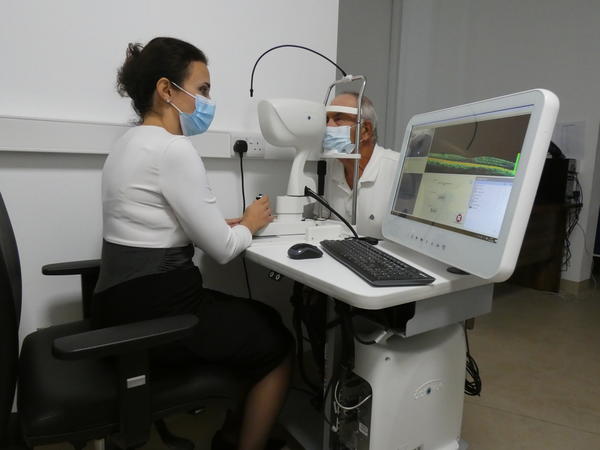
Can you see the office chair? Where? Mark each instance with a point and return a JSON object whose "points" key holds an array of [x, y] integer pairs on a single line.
{"points": [[77, 384]]}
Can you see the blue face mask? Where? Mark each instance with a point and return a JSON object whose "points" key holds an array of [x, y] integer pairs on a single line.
{"points": [[337, 139], [198, 121]]}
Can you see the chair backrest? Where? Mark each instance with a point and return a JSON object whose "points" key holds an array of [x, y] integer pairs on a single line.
{"points": [[10, 313]]}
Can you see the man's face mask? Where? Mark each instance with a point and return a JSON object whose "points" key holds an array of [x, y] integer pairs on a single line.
{"points": [[198, 121], [337, 139]]}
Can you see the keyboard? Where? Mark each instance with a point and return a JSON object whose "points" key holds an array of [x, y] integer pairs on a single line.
{"points": [[373, 265]]}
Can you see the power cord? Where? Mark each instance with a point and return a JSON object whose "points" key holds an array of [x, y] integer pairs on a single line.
{"points": [[240, 147], [473, 380], [298, 312], [310, 193], [293, 46], [573, 220], [347, 408], [305, 319]]}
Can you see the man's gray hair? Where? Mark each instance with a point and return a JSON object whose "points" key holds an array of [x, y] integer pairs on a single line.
{"points": [[367, 111]]}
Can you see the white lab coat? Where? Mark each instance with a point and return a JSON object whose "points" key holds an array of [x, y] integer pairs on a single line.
{"points": [[374, 187]]}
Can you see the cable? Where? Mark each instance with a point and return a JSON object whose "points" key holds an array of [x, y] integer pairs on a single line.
{"points": [[297, 301], [473, 137], [587, 250], [321, 172], [297, 324], [242, 176], [472, 386], [288, 45], [325, 394], [246, 275], [572, 222], [310, 193], [240, 147], [579, 188], [347, 408]]}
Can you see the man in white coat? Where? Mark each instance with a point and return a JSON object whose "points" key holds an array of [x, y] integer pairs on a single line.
{"points": [[377, 166]]}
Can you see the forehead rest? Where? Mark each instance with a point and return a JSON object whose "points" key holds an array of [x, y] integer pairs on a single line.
{"points": [[341, 109]]}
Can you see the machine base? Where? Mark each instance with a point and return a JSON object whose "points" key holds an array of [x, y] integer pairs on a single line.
{"points": [[405, 394]]}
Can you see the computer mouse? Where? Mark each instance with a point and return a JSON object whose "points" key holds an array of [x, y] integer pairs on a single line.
{"points": [[304, 250]]}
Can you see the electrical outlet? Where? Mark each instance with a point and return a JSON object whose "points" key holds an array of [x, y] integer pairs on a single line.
{"points": [[256, 144]]}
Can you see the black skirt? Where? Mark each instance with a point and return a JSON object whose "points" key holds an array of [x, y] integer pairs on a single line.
{"points": [[244, 335]]}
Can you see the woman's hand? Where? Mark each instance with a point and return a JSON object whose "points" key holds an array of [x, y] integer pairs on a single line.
{"points": [[257, 215], [233, 222]]}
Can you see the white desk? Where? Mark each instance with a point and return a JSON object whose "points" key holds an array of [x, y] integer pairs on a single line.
{"points": [[433, 342], [449, 299], [330, 277]]}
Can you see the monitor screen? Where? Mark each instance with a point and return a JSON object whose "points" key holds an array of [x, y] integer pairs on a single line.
{"points": [[462, 179], [459, 176]]}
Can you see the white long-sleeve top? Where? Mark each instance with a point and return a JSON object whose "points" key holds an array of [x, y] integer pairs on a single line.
{"points": [[155, 194]]}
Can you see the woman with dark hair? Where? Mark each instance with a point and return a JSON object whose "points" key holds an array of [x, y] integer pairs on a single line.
{"points": [[157, 205]]}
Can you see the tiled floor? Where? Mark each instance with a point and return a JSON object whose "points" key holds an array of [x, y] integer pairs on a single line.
{"points": [[539, 359]]}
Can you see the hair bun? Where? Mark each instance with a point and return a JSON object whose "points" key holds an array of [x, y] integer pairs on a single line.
{"points": [[134, 49], [126, 77]]}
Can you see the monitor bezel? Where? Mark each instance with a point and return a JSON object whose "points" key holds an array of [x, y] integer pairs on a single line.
{"points": [[489, 260]]}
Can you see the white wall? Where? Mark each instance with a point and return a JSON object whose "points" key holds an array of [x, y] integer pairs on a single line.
{"points": [[59, 61], [458, 51], [368, 43], [60, 58]]}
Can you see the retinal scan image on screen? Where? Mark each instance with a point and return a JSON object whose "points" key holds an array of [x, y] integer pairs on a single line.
{"points": [[459, 176]]}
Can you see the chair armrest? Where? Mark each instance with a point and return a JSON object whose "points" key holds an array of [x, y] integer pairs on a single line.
{"points": [[123, 339], [88, 269], [72, 267]]}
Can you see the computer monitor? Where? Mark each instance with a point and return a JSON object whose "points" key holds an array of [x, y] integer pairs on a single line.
{"points": [[467, 178]]}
